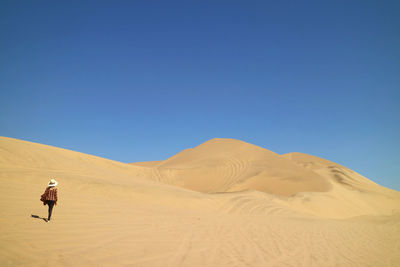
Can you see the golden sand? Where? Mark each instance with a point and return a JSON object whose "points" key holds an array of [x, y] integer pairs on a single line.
{"points": [[223, 203]]}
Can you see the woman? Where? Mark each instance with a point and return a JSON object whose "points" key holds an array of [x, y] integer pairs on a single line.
{"points": [[49, 197]]}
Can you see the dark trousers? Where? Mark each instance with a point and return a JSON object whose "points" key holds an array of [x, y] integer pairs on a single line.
{"points": [[50, 203]]}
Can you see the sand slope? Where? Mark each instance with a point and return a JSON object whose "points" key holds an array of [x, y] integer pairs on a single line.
{"points": [[147, 214], [228, 165]]}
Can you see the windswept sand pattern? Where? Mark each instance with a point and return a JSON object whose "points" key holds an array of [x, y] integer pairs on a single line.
{"points": [[235, 170], [223, 175], [255, 203], [114, 214], [156, 174]]}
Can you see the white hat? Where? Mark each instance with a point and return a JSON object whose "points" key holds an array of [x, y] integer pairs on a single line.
{"points": [[53, 183]]}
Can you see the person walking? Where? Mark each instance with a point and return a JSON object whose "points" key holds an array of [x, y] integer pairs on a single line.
{"points": [[49, 197]]}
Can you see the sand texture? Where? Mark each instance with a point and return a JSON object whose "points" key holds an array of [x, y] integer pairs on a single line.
{"points": [[223, 203]]}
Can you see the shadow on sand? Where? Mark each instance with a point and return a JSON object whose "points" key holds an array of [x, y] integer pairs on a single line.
{"points": [[38, 217]]}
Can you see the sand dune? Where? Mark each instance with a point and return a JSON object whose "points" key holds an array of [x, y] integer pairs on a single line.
{"points": [[223, 203], [228, 165]]}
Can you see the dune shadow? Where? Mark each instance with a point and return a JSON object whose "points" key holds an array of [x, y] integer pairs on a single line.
{"points": [[38, 217]]}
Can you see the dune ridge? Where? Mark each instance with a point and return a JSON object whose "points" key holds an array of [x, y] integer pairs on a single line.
{"points": [[223, 203]]}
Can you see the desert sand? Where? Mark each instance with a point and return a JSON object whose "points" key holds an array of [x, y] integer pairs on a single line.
{"points": [[223, 203]]}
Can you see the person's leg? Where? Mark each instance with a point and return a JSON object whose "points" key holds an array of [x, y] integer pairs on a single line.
{"points": [[51, 205]]}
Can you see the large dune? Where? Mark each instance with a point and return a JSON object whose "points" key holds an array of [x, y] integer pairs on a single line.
{"points": [[223, 203], [228, 165]]}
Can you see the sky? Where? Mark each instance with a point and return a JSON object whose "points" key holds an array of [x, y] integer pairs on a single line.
{"points": [[142, 80]]}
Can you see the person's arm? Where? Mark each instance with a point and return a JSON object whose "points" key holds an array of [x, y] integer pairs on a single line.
{"points": [[46, 193], [43, 196], [55, 196]]}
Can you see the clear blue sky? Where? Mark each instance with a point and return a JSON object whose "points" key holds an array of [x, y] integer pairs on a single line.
{"points": [[143, 80]]}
